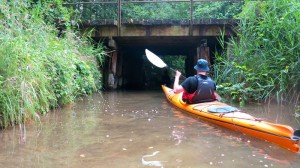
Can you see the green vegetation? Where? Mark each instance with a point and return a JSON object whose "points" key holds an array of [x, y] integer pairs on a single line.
{"points": [[38, 69], [217, 10], [176, 62], [162, 10], [264, 63]]}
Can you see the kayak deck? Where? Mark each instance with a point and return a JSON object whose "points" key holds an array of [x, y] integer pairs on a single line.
{"points": [[221, 114]]}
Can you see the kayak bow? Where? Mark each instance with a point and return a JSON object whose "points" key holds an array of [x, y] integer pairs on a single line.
{"points": [[221, 114]]}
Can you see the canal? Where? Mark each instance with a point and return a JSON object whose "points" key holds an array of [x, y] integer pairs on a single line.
{"points": [[139, 129]]}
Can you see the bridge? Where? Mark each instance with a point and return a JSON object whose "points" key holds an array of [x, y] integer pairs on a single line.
{"points": [[127, 38]]}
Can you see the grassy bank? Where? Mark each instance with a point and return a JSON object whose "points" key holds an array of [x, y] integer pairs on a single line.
{"points": [[263, 62], [38, 69]]}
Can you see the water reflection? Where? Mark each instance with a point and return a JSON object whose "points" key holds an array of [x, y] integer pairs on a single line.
{"points": [[137, 129]]}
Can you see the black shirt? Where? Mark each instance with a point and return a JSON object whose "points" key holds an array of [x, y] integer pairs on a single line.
{"points": [[191, 83]]}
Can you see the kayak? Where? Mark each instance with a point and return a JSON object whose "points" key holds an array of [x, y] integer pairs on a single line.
{"points": [[230, 117]]}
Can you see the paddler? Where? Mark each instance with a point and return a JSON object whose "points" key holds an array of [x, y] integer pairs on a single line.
{"points": [[198, 88]]}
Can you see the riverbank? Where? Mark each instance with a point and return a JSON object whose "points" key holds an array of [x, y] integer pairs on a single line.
{"points": [[41, 68], [262, 63]]}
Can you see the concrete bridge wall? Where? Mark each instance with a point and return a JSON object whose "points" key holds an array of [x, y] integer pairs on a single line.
{"points": [[125, 66]]}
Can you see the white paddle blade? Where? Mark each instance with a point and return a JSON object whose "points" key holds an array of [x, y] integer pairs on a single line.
{"points": [[154, 59]]}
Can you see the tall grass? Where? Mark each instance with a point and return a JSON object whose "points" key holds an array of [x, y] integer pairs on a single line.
{"points": [[263, 63], [38, 70]]}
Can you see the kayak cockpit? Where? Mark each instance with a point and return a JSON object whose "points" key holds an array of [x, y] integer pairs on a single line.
{"points": [[222, 109], [296, 136]]}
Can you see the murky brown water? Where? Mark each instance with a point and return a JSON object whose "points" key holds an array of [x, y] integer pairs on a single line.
{"points": [[139, 129]]}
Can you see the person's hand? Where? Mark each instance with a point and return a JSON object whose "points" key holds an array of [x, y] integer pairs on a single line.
{"points": [[177, 74]]}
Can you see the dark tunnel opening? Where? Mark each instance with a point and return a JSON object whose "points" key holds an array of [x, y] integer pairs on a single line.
{"points": [[137, 73]]}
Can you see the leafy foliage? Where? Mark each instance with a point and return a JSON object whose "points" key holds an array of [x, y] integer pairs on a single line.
{"points": [[217, 10], [263, 63], [176, 62], [39, 70], [161, 10]]}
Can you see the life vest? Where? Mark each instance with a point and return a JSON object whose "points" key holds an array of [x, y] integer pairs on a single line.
{"points": [[204, 93]]}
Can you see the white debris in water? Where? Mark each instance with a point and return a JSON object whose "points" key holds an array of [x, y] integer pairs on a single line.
{"points": [[150, 147], [248, 141], [149, 119], [261, 161], [124, 149], [266, 165], [107, 136], [152, 163], [130, 140], [211, 163], [178, 160]]}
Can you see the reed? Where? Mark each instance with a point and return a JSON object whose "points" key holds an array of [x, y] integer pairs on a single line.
{"points": [[39, 70], [263, 63]]}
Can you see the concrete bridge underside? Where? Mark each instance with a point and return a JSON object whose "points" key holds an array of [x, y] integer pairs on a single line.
{"points": [[127, 67]]}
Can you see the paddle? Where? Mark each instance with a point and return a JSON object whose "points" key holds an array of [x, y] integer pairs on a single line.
{"points": [[155, 60]]}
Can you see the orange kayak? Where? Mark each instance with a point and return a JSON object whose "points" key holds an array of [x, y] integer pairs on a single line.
{"points": [[230, 117]]}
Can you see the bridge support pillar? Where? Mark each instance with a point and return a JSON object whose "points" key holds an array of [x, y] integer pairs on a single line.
{"points": [[203, 51], [112, 80]]}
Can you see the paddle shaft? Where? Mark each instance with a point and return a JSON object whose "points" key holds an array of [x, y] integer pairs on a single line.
{"points": [[175, 71]]}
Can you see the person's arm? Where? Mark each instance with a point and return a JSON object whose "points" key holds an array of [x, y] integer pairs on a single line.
{"points": [[218, 97], [176, 87]]}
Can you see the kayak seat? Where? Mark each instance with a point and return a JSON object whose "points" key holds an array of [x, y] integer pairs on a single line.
{"points": [[223, 109], [296, 135]]}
